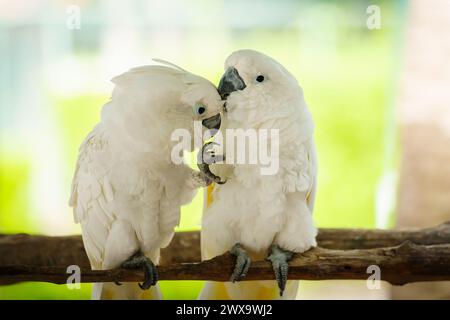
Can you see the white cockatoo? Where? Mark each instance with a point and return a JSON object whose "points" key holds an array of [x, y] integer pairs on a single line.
{"points": [[127, 191], [256, 215]]}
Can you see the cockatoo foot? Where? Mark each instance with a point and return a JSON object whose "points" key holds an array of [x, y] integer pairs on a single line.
{"points": [[279, 259], [139, 260], [242, 263], [206, 157]]}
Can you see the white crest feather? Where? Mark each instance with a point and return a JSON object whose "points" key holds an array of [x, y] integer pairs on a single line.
{"points": [[167, 63]]}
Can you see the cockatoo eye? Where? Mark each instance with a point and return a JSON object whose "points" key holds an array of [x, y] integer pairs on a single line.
{"points": [[199, 109], [260, 78]]}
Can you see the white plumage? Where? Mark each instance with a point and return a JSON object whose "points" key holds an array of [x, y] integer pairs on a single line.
{"points": [[126, 191], [260, 210]]}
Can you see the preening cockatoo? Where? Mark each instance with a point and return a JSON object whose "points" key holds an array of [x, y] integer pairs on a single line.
{"points": [[127, 190], [256, 215]]}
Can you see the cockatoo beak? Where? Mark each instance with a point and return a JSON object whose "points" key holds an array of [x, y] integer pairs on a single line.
{"points": [[231, 81], [212, 122]]}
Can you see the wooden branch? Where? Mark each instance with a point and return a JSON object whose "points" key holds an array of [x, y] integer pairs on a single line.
{"points": [[399, 265], [374, 238], [24, 249], [403, 255]]}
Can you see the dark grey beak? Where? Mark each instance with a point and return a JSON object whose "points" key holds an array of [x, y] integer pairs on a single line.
{"points": [[230, 82], [212, 122]]}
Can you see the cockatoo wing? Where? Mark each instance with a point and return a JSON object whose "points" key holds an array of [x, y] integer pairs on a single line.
{"points": [[300, 172], [92, 196], [312, 155], [92, 199]]}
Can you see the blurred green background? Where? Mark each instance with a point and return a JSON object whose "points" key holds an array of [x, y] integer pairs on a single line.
{"points": [[54, 80]]}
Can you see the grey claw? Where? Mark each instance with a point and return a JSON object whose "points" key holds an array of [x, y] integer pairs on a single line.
{"points": [[242, 265], [139, 260], [279, 259], [206, 157], [207, 154]]}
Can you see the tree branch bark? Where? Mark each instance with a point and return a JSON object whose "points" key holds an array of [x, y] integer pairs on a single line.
{"points": [[22, 249], [399, 265], [403, 256]]}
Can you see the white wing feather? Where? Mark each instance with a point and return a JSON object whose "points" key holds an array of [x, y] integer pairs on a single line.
{"points": [[313, 169], [92, 196]]}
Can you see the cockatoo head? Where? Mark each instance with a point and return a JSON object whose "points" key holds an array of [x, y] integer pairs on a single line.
{"points": [[256, 86], [202, 102], [150, 103]]}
